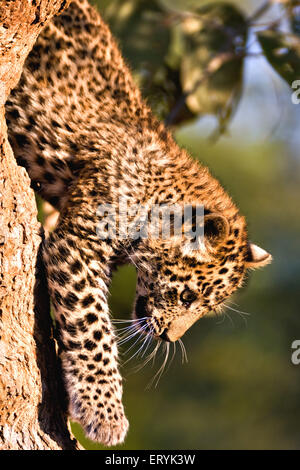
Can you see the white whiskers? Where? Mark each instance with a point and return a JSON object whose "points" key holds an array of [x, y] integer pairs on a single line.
{"points": [[226, 314], [155, 379], [183, 352], [140, 333], [240, 312], [150, 356]]}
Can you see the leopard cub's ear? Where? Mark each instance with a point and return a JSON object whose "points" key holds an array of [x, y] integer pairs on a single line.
{"points": [[257, 257]]}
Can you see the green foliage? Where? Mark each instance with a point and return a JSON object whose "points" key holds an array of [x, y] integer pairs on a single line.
{"points": [[282, 52], [145, 19], [188, 56], [211, 68]]}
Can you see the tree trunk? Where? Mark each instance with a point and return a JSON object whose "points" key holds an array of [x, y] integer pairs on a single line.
{"points": [[32, 404]]}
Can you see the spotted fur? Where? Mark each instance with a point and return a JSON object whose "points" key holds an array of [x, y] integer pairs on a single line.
{"points": [[77, 122]]}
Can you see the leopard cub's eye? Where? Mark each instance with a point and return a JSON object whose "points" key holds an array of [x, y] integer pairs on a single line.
{"points": [[188, 296]]}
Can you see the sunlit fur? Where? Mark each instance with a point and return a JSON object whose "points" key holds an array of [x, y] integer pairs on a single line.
{"points": [[78, 123], [164, 275]]}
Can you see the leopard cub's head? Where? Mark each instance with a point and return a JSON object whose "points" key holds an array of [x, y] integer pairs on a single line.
{"points": [[177, 285]]}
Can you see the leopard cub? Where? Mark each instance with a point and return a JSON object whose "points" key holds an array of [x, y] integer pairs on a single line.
{"points": [[77, 122]]}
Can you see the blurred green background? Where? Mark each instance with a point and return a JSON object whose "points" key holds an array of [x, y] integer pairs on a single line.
{"points": [[239, 389]]}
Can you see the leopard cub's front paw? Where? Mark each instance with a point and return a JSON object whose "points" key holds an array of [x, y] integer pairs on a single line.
{"points": [[105, 424], [109, 432]]}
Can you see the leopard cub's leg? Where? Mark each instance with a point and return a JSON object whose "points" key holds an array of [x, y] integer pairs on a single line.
{"points": [[78, 286]]}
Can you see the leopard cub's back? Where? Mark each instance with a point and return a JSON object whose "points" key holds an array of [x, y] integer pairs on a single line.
{"points": [[73, 84]]}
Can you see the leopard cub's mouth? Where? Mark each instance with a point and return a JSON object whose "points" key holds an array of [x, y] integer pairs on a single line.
{"points": [[143, 320]]}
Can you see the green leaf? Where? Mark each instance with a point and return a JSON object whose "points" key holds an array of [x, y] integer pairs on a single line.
{"points": [[283, 53], [212, 67]]}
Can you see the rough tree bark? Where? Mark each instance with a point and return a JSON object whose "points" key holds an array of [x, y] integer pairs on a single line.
{"points": [[31, 394]]}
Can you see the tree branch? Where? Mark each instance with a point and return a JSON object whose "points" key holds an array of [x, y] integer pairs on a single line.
{"points": [[32, 403]]}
